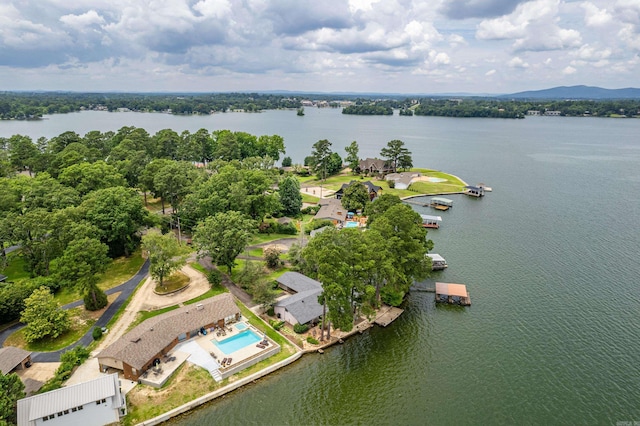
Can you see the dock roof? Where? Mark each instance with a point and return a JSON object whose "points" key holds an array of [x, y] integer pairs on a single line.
{"points": [[431, 218], [436, 257], [449, 289], [442, 200]]}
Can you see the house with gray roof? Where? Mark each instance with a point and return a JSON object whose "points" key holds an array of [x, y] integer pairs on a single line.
{"points": [[97, 402], [302, 306], [138, 350], [372, 189], [331, 209], [12, 359]]}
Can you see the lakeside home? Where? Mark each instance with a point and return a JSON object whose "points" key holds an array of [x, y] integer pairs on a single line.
{"points": [[302, 306], [146, 344], [374, 190]]}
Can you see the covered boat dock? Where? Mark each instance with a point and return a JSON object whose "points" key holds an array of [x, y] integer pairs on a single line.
{"points": [[441, 203], [474, 191], [454, 294], [437, 262], [429, 221]]}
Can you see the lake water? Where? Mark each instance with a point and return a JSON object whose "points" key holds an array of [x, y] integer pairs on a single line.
{"points": [[550, 259]]}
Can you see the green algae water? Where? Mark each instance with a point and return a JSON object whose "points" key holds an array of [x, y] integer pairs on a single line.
{"points": [[550, 259]]}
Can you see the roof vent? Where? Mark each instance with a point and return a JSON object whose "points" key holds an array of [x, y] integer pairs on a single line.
{"points": [[136, 340], [199, 306]]}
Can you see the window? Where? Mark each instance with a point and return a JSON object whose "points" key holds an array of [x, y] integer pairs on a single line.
{"points": [[74, 409], [80, 408], [52, 416], [60, 414], [66, 411], [103, 401], [98, 402], [45, 418]]}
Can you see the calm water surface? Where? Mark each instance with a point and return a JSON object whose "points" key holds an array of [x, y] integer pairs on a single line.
{"points": [[550, 258]]}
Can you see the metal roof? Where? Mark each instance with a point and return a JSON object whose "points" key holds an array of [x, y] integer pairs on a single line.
{"points": [[442, 200], [433, 218], [436, 257], [448, 289], [473, 188], [38, 406]]}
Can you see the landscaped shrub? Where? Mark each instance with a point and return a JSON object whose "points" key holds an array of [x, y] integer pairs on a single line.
{"points": [[69, 360], [272, 257], [270, 311], [277, 325], [214, 277], [310, 210], [95, 299], [392, 184], [97, 333], [312, 340], [300, 328]]}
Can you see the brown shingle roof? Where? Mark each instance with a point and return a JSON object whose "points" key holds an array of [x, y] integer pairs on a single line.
{"points": [[11, 357], [138, 346]]}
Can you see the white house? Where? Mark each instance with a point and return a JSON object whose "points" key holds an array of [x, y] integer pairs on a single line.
{"points": [[96, 402]]}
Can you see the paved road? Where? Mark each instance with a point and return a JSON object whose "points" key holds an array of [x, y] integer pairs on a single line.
{"points": [[126, 290], [234, 289]]}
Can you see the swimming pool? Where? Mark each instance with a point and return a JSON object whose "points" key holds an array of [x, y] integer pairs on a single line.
{"points": [[237, 342], [351, 224], [240, 326]]}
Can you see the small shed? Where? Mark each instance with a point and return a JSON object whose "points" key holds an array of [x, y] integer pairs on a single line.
{"points": [[455, 294], [12, 359]]}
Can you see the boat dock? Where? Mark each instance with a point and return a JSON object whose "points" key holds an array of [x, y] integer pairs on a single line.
{"points": [[431, 221], [440, 203], [437, 262], [474, 191], [454, 294], [386, 315]]}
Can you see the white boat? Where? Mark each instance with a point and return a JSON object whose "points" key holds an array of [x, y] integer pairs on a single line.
{"points": [[485, 187]]}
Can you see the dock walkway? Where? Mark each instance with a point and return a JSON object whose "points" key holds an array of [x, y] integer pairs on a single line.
{"points": [[386, 315]]}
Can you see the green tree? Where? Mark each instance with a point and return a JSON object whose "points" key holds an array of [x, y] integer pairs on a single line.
{"points": [[286, 162], [11, 390], [320, 158], [352, 159], [355, 196], [380, 205], [223, 237], [263, 293], [87, 177], [79, 266], [394, 152], [290, 196], [334, 165], [272, 257], [118, 213], [175, 180], [270, 146], [166, 255], [226, 145], [401, 227], [43, 317], [22, 152]]}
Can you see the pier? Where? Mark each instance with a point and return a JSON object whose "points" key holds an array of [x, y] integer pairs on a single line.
{"points": [[386, 315], [454, 294]]}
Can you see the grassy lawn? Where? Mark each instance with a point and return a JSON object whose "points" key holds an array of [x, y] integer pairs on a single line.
{"points": [[266, 238], [176, 281], [145, 315], [15, 270], [210, 293], [81, 320], [308, 198], [256, 252], [118, 271], [198, 267], [278, 272]]}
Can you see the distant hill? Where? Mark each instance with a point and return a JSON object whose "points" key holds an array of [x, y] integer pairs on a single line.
{"points": [[577, 92]]}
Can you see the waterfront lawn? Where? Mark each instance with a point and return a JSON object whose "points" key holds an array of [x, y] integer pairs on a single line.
{"points": [[256, 252], [267, 238], [307, 198]]}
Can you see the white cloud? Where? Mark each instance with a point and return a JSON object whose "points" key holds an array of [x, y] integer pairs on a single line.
{"points": [[517, 62], [569, 70], [596, 17], [79, 22], [490, 73]]}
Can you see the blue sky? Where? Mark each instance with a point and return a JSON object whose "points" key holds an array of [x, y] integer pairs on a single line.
{"points": [[395, 46]]}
